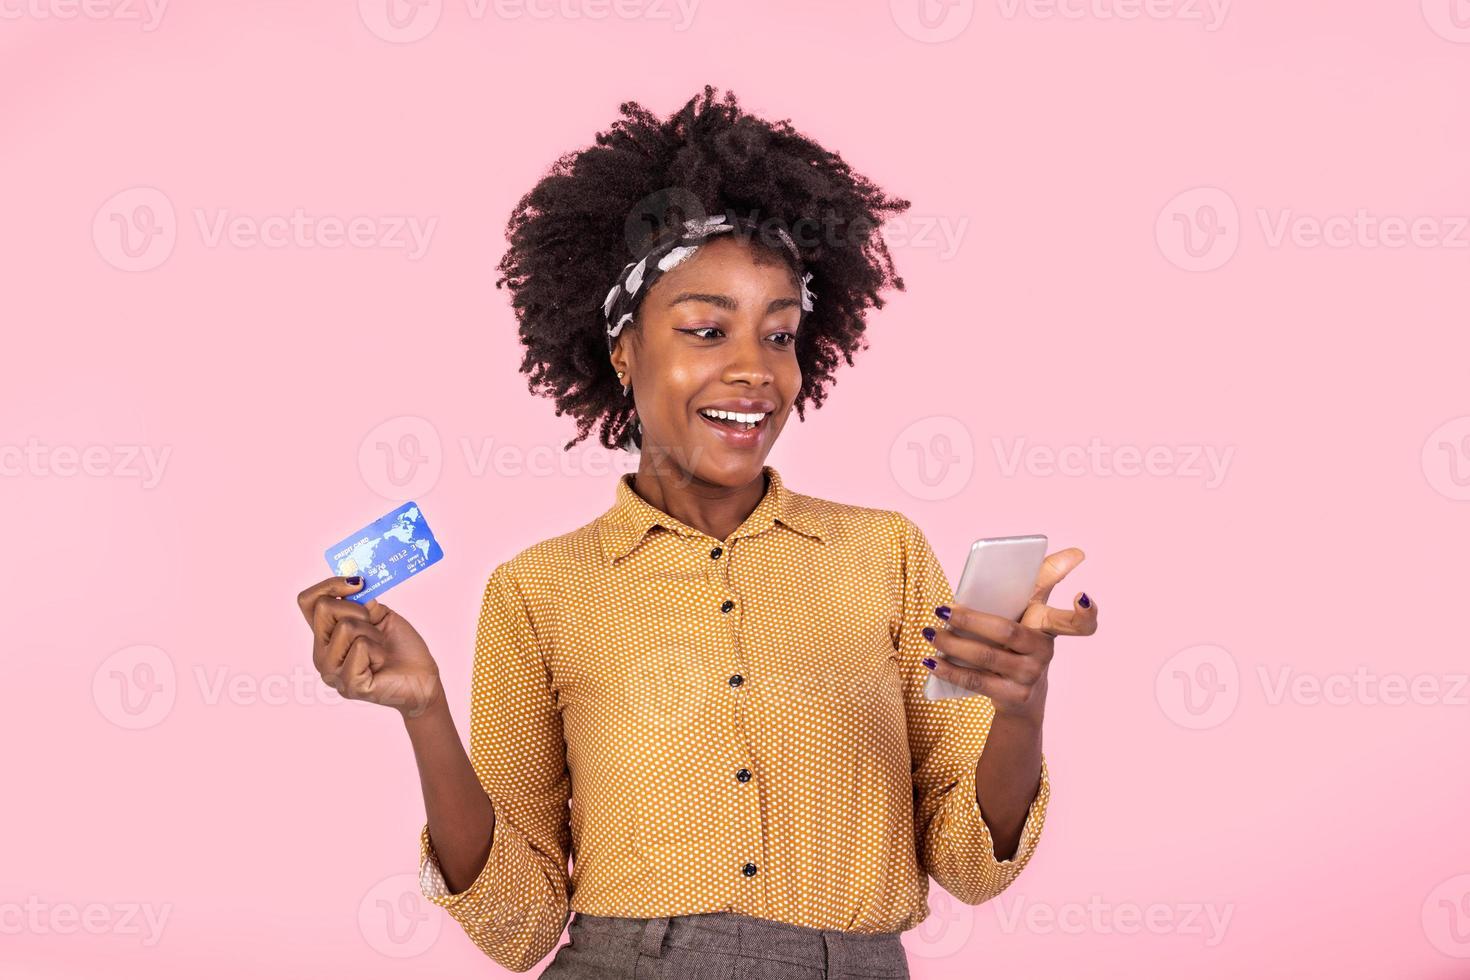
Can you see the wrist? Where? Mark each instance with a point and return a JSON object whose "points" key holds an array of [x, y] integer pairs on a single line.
{"points": [[1030, 713], [1026, 719], [430, 712]]}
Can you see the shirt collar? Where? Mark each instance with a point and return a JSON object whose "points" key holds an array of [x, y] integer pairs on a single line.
{"points": [[631, 517]]}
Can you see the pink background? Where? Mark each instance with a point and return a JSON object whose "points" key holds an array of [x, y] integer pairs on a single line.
{"points": [[1118, 274]]}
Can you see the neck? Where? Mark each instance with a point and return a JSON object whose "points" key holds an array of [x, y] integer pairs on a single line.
{"points": [[717, 509]]}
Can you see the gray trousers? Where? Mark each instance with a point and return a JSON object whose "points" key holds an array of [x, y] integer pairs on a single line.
{"points": [[721, 946]]}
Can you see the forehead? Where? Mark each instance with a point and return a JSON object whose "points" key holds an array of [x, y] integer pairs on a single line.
{"points": [[731, 261]]}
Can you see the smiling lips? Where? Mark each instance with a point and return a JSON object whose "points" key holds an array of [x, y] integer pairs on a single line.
{"points": [[735, 427], [743, 420]]}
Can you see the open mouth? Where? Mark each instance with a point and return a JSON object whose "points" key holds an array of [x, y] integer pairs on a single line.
{"points": [[734, 421]]}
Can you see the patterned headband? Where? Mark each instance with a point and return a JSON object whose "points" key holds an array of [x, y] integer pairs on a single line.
{"points": [[617, 309]]}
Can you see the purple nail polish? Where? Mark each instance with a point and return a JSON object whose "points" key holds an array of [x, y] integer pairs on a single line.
{"points": [[928, 662], [1084, 602], [354, 580], [942, 612], [928, 632]]}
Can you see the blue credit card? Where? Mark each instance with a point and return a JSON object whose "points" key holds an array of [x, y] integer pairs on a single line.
{"points": [[395, 547]]}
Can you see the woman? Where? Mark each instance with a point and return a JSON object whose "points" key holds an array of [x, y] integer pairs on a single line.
{"points": [[710, 698]]}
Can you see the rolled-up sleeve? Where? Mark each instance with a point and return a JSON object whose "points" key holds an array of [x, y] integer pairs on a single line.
{"points": [[946, 739], [516, 909]]}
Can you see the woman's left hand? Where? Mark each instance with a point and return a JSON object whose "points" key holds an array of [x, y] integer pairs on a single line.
{"points": [[1007, 660]]}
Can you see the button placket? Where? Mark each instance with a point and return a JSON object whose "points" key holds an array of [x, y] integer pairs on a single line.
{"points": [[719, 575], [748, 805]]}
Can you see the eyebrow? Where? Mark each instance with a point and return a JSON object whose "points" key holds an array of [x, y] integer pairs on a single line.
{"points": [[729, 303]]}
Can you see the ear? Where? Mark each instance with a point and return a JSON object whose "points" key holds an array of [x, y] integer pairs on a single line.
{"points": [[619, 356]]}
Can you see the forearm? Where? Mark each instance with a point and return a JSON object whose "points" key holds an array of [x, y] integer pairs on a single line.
{"points": [[461, 819], [1007, 778]]}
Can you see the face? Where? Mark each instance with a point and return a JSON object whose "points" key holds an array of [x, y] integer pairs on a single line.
{"points": [[716, 332]]}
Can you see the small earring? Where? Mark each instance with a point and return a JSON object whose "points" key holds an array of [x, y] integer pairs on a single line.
{"points": [[625, 387]]}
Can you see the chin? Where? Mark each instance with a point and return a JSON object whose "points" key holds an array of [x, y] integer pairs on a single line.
{"points": [[726, 469]]}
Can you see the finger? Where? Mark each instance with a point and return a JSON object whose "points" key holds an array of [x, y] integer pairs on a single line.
{"points": [[331, 653], [1080, 620], [1054, 569], [337, 585], [983, 682], [356, 673], [978, 655], [331, 611], [377, 653], [334, 651], [996, 630], [377, 612]]}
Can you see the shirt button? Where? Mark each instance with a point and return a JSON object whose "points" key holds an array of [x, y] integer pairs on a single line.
{"points": [[717, 552], [727, 605], [749, 870], [743, 775], [736, 680]]}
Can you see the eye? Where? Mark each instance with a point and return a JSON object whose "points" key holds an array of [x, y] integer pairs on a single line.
{"points": [[699, 332]]}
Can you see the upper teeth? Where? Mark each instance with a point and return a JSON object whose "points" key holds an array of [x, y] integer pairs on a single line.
{"points": [[747, 417]]}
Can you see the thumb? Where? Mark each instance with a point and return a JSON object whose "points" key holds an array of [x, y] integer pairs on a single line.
{"points": [[377, 612], [1054, 569]]}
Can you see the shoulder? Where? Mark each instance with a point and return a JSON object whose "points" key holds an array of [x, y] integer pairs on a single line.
{"points": [[529, 586], [550, 562], [884, 543], [849, 524]]}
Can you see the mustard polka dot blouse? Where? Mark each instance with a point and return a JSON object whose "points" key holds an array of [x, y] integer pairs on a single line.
{"points": [[703, 726]]}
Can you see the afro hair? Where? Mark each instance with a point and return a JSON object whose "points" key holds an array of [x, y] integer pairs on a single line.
{"points": [[598, 208]]}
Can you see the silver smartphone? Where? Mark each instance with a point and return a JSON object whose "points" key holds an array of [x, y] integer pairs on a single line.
{"points": [[999, 577]]}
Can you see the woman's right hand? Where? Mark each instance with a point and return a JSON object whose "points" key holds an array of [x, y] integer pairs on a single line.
{"points": [[366, 651]]}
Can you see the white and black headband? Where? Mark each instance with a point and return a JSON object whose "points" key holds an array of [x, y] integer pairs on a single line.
{"points": [[640, 275]]}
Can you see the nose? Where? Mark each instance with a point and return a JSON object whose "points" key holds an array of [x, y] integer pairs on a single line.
{"points": [[750, 361]]}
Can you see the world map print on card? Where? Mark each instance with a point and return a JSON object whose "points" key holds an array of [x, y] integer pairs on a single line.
{"points": [[395, 547]]}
